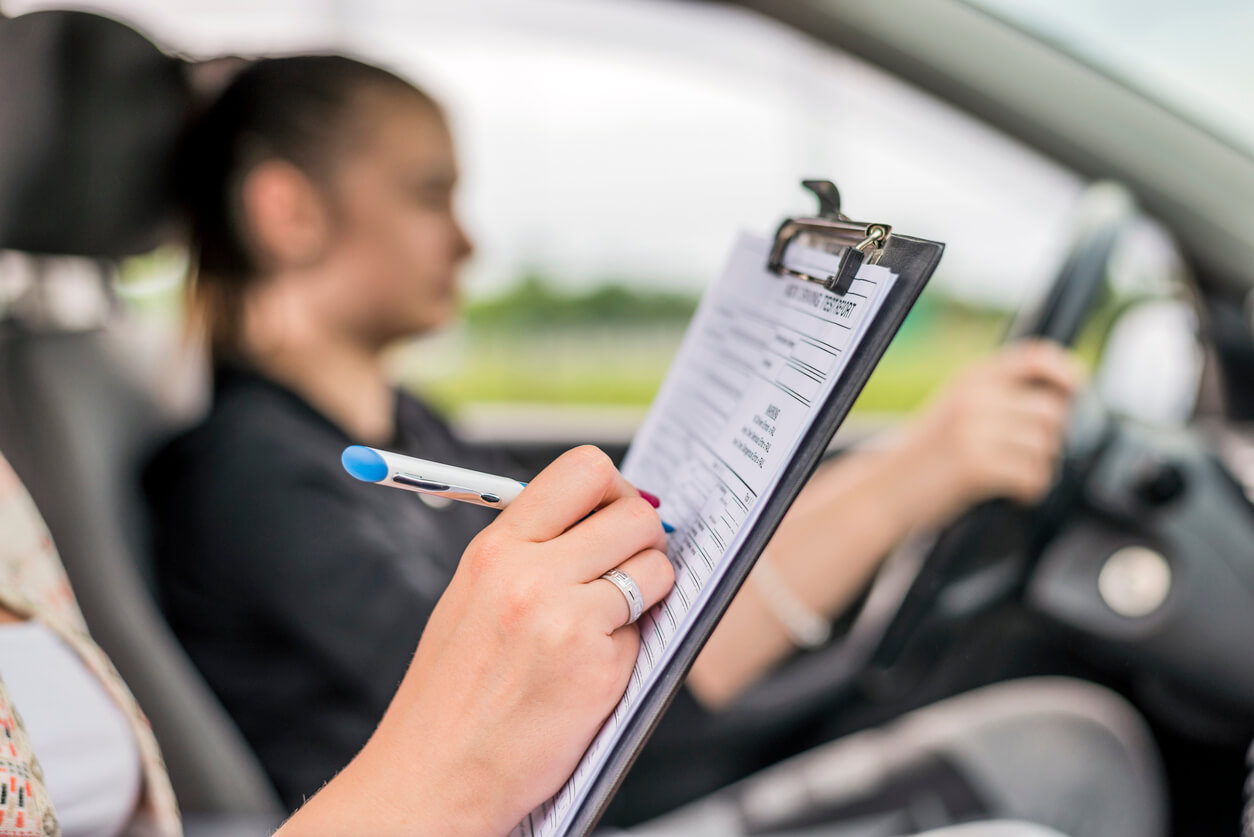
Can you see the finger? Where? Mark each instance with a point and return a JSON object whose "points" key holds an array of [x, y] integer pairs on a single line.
{"points": [[1045, 362], [626, 648], [1030, 442], [1029, 482], [576, 483], [1026, 469], [654, 575], [611, 535], [1039, 408], [616, 667]]}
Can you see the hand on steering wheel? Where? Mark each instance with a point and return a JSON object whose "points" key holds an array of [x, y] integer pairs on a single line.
{"points": [[1105, 212], [996, 431], [964, 428]]}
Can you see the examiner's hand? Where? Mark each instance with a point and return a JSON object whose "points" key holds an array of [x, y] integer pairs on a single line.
{"points": [[524, 656], [997, 431]]}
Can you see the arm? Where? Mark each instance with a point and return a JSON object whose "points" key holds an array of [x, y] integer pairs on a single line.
{"points": [[522, 660], [995, 432]]}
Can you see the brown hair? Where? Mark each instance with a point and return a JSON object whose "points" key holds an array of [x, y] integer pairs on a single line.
{"points": [[298, 109]]}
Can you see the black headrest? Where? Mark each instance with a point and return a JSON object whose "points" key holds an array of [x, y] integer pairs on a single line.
{"points": [[90, 111]]}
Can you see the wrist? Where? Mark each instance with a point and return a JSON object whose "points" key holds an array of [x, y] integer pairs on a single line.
{"points": [[388, 789]]}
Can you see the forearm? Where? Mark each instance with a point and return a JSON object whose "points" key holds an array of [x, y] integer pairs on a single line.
{"points": [[852, 513], [394, 787], [351, 803]]}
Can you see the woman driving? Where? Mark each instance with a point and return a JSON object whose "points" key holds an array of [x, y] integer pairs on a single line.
{"points": [[525, 650], [320, 192]]}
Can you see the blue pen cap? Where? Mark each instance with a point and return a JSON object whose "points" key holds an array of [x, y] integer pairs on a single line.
{"points": [[364, 464]]}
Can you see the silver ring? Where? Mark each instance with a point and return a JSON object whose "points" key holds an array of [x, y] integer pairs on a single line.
{"points": [[630, 590]]}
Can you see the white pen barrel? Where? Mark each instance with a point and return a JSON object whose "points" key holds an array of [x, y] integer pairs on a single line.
{"points": [[448, 480]]}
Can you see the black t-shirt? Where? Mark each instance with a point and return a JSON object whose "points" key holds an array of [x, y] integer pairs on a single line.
{"points": [[299, 592]]}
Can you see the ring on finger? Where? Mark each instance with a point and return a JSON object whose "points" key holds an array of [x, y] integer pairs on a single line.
{"points": [[630, 590]]}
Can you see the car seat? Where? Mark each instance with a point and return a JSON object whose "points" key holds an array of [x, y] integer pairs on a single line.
{"points": [[89, 106]]}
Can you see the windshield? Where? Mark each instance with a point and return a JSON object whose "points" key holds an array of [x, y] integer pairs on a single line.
{"points": [[611, 150], [1193, 58]]}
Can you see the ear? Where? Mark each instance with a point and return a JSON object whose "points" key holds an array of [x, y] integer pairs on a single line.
{"points": [[286, 216]]}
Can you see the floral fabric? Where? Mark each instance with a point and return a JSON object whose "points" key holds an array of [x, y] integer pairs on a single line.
{"points": [[33, 584]]}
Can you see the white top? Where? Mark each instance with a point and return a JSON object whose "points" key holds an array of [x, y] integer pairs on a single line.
{"points": [[82, 739]]}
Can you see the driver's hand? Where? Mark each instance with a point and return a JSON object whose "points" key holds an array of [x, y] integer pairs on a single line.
{"points": [[996, 431]]}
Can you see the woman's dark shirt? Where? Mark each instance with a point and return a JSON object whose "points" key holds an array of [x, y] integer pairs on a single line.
{"points": [[299, 592]]}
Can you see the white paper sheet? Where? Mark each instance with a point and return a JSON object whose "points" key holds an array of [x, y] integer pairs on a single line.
{"points": [[761, 355]]}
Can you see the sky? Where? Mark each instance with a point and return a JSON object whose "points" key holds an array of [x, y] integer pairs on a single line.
{"points": [[633, 139]]}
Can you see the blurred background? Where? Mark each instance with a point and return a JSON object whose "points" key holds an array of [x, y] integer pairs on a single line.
{"points": [[611, 151]]}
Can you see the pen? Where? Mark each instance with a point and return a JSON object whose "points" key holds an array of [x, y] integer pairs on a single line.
{"points": [[425, 477]]}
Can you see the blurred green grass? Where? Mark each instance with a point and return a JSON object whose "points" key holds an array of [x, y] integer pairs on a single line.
{"points": [[538, 344], [538, 350]]}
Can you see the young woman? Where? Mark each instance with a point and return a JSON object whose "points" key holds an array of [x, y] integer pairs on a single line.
{"points": [[321, 197], [519, 662]]}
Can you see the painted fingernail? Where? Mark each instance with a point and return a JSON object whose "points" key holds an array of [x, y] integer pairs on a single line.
{"points": [[653, 501]]}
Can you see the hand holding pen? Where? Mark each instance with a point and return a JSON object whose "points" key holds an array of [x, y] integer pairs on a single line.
{"points": [[525, 655]]}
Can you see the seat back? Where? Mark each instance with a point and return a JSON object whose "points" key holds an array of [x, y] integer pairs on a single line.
{"points": [[75, 424], [87, 103]]}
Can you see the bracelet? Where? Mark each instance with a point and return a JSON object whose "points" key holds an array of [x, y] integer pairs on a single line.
{"points": [[806, 628]]}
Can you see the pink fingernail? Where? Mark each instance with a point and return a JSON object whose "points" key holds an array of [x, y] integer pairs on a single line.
{"points": [[653, 501]]}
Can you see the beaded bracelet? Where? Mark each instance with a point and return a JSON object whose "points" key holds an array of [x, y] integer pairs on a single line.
{"points": [[805, 627]]}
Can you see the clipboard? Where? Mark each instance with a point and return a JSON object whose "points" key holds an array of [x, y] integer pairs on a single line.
{"points": [[856, 243]]}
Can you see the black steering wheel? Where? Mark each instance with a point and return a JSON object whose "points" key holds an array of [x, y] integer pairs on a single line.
{"points": [[935, 579], [1106, 209]]}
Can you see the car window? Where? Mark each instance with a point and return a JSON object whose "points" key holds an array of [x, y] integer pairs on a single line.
{"points": [[1194, 58], [612, 151]]}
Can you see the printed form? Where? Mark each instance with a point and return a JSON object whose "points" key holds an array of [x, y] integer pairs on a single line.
{"points": [[762, 353]]}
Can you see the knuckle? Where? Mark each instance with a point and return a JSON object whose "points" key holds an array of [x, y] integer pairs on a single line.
{"points": [[484, 552], [1056, 399], [1036, 482], [518, 606], [1037, 348], [666, 576], [1054, 416], [662, 566], [638, 511], [1031, 360], [1041, 349], [592, 459]]}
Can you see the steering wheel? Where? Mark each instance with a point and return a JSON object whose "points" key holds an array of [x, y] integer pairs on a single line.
{"points": [[947, 576], [1106, 209]]}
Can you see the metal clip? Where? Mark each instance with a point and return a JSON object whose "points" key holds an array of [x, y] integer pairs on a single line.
{"points": [[858, 239]]}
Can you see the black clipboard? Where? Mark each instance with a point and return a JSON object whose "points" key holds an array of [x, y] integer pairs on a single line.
{"points": [[913, 260]]}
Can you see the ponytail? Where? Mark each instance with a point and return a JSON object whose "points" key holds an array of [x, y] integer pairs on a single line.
{"points": [[299, 109]]}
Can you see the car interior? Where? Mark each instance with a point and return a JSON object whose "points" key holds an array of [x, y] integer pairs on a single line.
{"points": [[1136, 572], [78, 411]]}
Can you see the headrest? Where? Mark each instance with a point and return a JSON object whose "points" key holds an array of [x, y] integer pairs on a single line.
{"points": [[90, 111]]}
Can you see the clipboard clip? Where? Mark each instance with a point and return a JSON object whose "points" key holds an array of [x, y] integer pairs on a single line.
{"points": [[831, 230]]}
